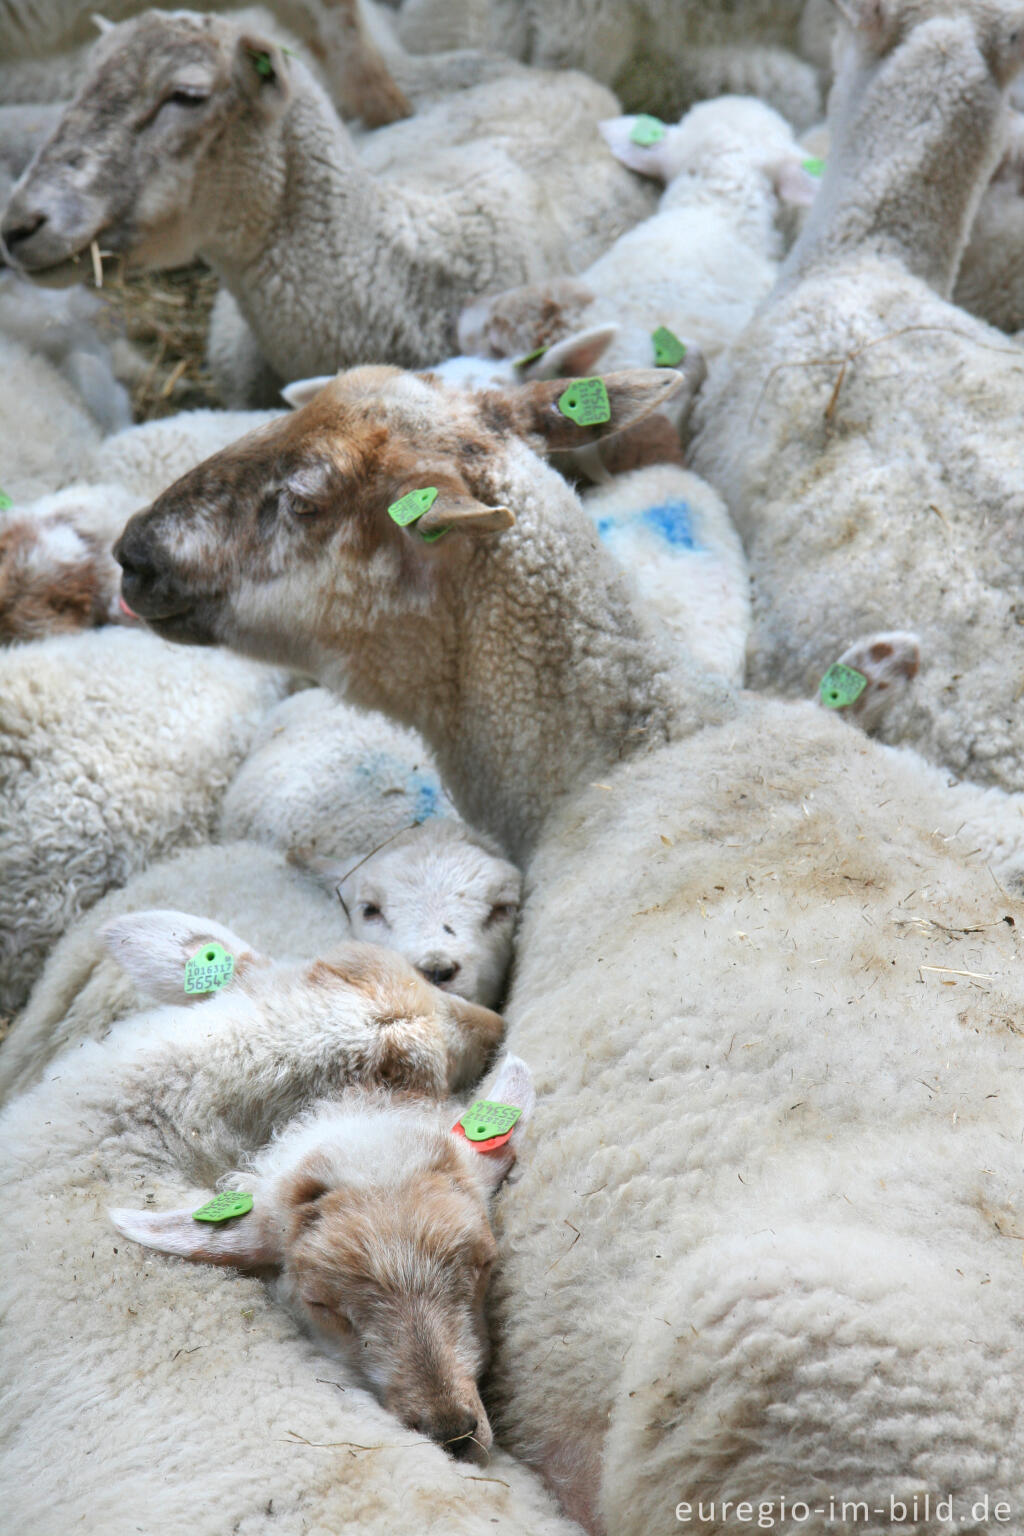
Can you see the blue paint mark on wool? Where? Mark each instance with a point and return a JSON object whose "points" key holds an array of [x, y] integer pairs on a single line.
{"points": [[427, 796], [672, 520]]}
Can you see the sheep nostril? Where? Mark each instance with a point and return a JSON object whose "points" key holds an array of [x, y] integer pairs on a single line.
{"points": [[439, 974], [461, 1443], [14, 234]]}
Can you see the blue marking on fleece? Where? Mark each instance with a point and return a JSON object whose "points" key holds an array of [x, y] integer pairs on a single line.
{"points": [[672, 520]]}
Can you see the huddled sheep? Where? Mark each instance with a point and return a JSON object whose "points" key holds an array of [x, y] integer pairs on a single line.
{"points": [[642, 665]]}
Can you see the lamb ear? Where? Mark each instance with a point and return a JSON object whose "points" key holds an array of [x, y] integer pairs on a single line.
{"points": [[247, 1242], [573, 356], [794, 185], [464, 514], [101, 23], [512, 1083], [154, 948], [632, 394], [647, 159], [302, 391]]}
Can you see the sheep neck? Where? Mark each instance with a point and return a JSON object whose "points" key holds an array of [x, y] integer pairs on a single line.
{"points": [[915, 139], [328, 265], [527, 672]]}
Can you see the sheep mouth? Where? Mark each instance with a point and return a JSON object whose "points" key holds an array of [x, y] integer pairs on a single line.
{"points": [[186, 627], [60, 274]]}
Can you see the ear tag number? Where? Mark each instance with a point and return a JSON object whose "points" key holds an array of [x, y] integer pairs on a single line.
{"points": [[261, 64], [233, 1202], [647, 130], [5, 502], [209, 970], [586, 403], [531, 357], [841, 686], [813, 167], [669, 351], [487, 1125]]}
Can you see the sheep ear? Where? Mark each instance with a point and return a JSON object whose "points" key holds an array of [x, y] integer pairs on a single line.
{"points": [[101, 23], [463, 514], [794, 185], [302, 391], [648, 159], [511, 1084], [155, 947], [247, 1242], [888, 661], [540, 408], [574, 356], [261, 72]]}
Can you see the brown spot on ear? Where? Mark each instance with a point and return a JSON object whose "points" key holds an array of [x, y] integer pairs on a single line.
{"points": [[880, 651]]}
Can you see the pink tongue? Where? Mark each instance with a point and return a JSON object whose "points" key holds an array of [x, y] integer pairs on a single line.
{"points": [[125, 609]]}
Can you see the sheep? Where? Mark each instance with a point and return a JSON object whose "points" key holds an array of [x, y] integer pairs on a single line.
{"points": [[442, 896], [741, 918], [699, 266], [859, 401], [331, 264], [191, 1359], [440, 873], [330, 779], [990, 282], [672, 533], [657, 55], [114, 749]]}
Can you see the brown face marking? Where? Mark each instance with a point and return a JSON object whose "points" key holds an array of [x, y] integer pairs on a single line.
{"points": [[36, 600]]}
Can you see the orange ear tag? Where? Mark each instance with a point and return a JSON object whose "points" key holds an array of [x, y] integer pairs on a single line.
{"points": [[487, 1125]]}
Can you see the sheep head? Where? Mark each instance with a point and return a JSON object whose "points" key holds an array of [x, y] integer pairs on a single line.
{"points": [[142, 158]]}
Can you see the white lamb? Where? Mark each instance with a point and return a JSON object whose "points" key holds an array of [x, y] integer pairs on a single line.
{"points": [[442, 896], [331, 779], [331, 262], [699, 266], [114, 749], [769, 1210], [863, 429], [195, 1363]]}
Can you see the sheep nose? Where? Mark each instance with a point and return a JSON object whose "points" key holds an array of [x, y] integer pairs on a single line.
{"points": [[16, 229], [454, 1432], [440, 974]]}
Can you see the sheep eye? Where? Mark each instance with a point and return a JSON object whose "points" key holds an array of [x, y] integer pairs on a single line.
{"points": [[370, 910], [187, 96]]}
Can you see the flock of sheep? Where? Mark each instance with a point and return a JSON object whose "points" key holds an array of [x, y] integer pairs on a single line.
{"points": [[345, 690]]}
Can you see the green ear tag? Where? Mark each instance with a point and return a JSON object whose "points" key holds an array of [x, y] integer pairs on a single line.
{"points": [[412, 506], [485, 1119], [586, 403], [5, 502], [841, 686], [261, 63], [233, 1202], [209, 970], [531, 357], [669, 351], [813, 167], [646, 130]]}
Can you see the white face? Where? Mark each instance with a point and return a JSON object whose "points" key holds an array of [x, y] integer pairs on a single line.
{"points": [[450, 908]]}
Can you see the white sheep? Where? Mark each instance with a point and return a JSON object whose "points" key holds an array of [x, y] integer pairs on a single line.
{"points": [[669, 530], [331, 779], [658, 55], [698, 267], [332, 263], [114, 749], [196, 1363], [862, 429], [990, 282], [764, 965], [441, 874], [81, 990]]}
